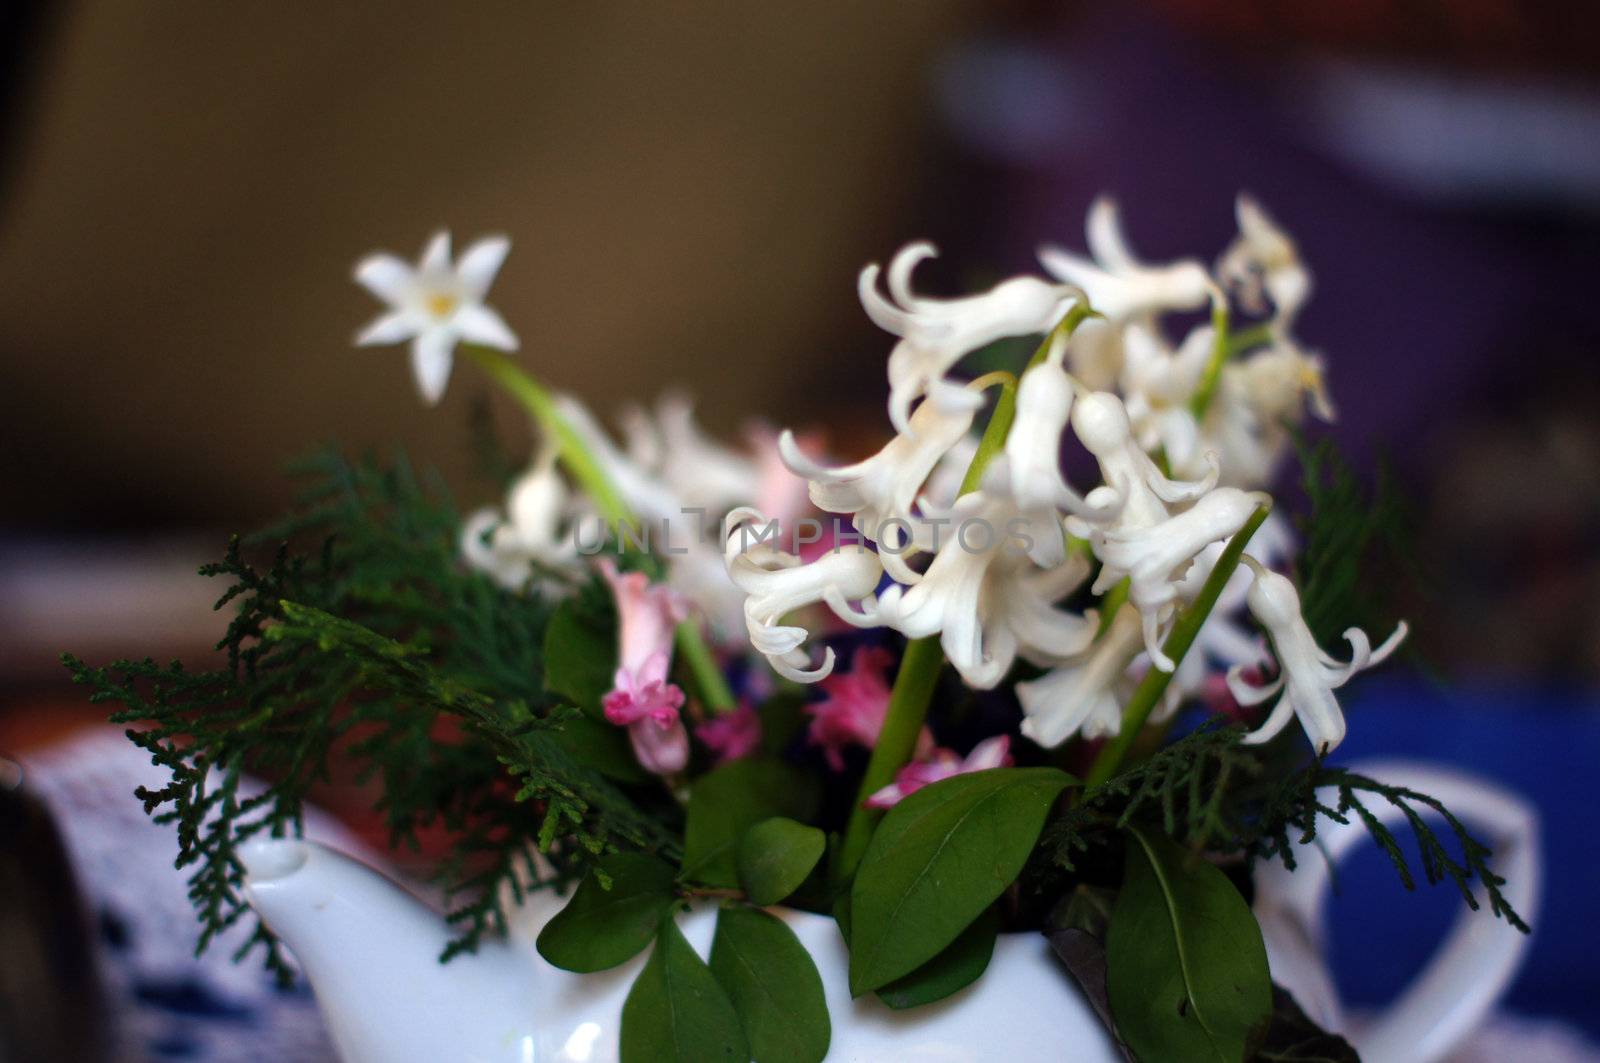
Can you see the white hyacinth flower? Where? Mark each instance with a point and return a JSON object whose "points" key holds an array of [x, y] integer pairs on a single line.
{"points": [[1307, 676], [1154, 558], [885, 486], [640, 488], [1145, 541], [777, 584], [1157, 385], [1081, 697], [1256, 398], [1262, 265], [698, 469], [983, 597], [1033, 461], [533, 536], [435, 305], [938, 333], [1118, 284], [944, 483], [1224, 640], [1100, 421]]}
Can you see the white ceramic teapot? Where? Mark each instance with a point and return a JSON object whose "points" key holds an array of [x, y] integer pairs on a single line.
{"points": [[371, 953]]}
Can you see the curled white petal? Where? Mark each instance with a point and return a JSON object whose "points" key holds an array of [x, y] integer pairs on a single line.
{"points": [[1118, 285], [1080, 697], [1307, 676], [535, 538], [777, 584], [885, 486], [938, 333]]}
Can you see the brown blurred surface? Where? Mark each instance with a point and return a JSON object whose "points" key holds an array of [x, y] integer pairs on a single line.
{"points": [[689, 187]]}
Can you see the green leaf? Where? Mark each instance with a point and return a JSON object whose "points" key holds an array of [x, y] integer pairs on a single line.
{"points": [[580, 658], [676, 1011], [602, 746], [958, 966], [782, 717], [728, 801], [774, 986], [1186, 967], [775, 856], [599, 927], [938, 859]]}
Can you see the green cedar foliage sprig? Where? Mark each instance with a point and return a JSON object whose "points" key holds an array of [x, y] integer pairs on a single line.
{"points": [[1213, 794], [1349, 532], [362, 639]]}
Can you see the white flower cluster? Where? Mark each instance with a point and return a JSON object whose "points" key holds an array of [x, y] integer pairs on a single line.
{"points": [[1184, 444], [675, 480]]}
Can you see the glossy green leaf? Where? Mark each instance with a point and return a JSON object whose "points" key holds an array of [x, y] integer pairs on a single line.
{"points": [[728, 801], [580, 658], [938, 859], [961, 963], [677, 1012], [599, 927], [774, 986], [1186, 967], [775, 856]]}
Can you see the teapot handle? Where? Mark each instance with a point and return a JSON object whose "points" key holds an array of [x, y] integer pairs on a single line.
{"points": [[1474, 964]]}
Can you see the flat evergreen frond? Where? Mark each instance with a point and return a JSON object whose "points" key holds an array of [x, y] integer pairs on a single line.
{"points": [[1212, 793], [1355, 791], [600, 815], [1189, 787], [384, 660], [1346, 530]]}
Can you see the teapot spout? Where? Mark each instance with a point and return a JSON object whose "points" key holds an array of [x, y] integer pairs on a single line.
{"points": [[371, 952]]}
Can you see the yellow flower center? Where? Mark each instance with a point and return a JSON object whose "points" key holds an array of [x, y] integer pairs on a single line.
{"points": [[442, 305]]}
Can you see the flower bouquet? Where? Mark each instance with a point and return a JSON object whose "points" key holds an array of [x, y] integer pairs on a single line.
{"points": [[941, 696]]}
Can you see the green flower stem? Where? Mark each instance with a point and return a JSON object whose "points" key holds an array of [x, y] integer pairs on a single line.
{"points": [[715, 694], [920, 665], [1148, 693], [1112, 604], [1249, 338], [591, 477], [1005, 408], [1221, 351], [541, 406], [908, 708]]}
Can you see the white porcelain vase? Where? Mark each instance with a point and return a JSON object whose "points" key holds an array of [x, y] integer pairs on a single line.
{"points": [[371, 953]]}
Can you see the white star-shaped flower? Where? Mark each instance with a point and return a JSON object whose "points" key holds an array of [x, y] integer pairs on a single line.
{"points": [[435, 305]]}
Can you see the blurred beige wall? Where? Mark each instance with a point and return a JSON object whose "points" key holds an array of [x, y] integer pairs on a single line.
{"points": [[690, 188]]}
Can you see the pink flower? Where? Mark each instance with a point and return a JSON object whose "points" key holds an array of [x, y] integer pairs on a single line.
{"points": [[853, 711], [942, 764], [732, 735], [781, 495], [641, 698]]}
